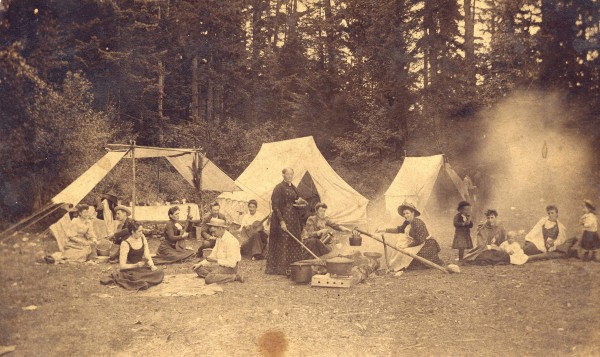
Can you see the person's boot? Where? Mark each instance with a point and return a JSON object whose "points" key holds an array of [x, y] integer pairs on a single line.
{"points": [[240, 278]]}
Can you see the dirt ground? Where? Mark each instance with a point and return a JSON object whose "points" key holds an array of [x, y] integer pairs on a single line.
{"points": [[549, 308]]}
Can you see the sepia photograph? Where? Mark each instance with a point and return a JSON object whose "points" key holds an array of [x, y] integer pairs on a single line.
{"points": [[299, 178]]}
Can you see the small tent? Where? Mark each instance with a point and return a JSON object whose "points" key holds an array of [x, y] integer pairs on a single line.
{"points": [[428, 182], [206, 176], [315, 179]]}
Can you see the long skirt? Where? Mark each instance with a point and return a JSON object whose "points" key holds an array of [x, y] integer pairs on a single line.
{"points": [[590, 240], [491, 257], [429, 251], [316, 246], [135, 279], [167, 254], [77, 252], [283, 249], [255, 246]]}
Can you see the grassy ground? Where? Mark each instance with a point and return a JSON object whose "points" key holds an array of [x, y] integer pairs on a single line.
{"points": [[547, 308]]}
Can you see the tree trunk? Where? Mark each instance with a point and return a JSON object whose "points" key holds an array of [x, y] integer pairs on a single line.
{"points": [[276, 25], [209, 108], [195, 107], [330, 36], [469, 7], [161, 94]]}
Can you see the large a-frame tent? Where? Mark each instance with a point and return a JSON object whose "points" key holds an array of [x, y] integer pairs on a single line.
{"points": [[428, 182], [206, 176], [315, 179]]}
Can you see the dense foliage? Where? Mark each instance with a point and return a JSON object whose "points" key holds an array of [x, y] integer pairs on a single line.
{"points": [[371, 80]]}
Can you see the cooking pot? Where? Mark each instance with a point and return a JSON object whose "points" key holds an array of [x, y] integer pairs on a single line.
{"points": [[301, 272], [339, 266]]}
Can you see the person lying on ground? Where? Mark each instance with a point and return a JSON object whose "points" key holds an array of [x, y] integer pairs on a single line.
{"points": [[317, 234], [513, 249], [420, 242], [81, 243], [122, 214], [206, 239], [489, 237], [590, 241], [171, 249], [136, 267], [256, 238], [221, 266], [547, 235], [462, 229]]}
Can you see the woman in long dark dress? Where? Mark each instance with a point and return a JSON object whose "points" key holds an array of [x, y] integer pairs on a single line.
{"points": [[136, 268], [283, 249], [170, 250]]}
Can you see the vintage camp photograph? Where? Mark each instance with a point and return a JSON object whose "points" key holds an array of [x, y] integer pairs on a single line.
{"points": [[299, 178]]}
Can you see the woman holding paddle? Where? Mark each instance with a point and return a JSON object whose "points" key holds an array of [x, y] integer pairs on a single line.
{"points": [[420, 242]]}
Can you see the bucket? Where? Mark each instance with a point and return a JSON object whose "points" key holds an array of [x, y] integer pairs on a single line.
{"points": [[355, 240], [302, 272], [206, 252]]}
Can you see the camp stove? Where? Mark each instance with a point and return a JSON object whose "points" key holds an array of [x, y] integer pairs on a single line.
{"points": [[331, 281]]}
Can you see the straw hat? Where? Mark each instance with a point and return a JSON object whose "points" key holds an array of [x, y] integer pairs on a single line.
{"points": [[124, 209], [217, 222], [410, 206], [589, 204]]}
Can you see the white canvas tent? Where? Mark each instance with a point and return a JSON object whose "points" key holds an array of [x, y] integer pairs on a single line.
{"points": [[428, 182], [315, 179], [186, 161]]}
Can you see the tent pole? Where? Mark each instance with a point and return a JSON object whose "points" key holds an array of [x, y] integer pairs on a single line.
{"points": [[133, 189]]}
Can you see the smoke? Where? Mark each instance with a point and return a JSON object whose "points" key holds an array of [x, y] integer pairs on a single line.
{"points": [[529, 156]]}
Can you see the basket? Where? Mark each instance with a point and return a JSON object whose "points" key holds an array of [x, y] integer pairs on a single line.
{"points": [[103, 248]]}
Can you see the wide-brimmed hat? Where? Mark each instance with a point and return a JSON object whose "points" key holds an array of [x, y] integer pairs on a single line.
{"points": [[217, 222], [123, 208], [462, 204], [410, 206], [110, 195], [589, 204]]}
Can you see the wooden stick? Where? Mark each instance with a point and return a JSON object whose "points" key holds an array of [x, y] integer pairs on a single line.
{"points": [[387, 263], [421, 259], [302, 244]]}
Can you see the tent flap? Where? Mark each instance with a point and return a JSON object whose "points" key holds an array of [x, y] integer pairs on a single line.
{"points": [[85, 183], [213, 179]]}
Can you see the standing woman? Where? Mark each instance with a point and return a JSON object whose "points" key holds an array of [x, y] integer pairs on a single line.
{"points": [[170, 250], [283, 249], [136, 268]]}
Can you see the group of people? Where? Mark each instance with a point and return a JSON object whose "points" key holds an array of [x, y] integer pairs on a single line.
{"points": [[546, 240], [292, 239]]}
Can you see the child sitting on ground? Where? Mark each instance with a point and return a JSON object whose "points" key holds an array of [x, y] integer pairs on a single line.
{"points": [[512, 247]]}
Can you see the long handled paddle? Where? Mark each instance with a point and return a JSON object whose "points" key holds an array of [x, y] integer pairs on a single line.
{"points": [[302, 244], [421, 259]]}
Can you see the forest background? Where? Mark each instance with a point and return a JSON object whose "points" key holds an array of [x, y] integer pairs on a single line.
{"points": [[372, 80]]}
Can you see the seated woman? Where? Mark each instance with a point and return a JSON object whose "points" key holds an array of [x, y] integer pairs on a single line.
{"points": [[421, 243], [489, 237], [513, 249], [316, 233], [171, 250], [136, 268], [82, 241], [547, 235]]}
